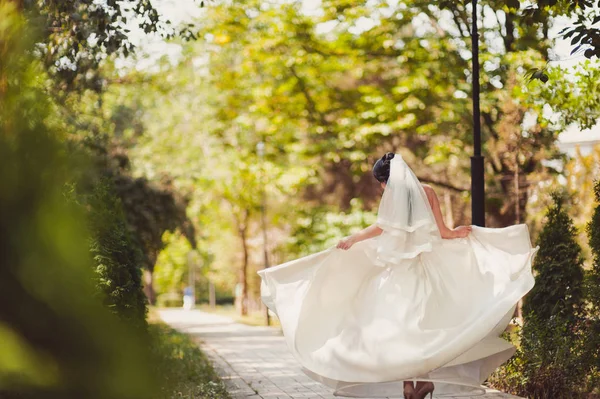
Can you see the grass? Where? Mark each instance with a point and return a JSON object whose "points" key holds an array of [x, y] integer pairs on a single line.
{"points": [[185, 371]]}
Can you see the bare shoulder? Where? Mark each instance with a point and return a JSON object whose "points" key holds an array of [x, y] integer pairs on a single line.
{"points": [[430, 193], [428, 189]]}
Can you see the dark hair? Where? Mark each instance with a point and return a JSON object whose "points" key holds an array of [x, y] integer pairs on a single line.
{"points": [[381, 169]]}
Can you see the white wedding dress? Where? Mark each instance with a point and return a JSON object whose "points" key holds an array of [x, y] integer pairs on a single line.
{"points": [[406, 305]]}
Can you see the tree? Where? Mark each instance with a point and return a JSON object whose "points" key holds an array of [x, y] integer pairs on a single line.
{"points": [[239, 193], [352, 92], [150, 208], [215, 164], [328, 93], [552, 334], [327, 102], [559, 265], [116, 256], [76, 36], [584, 36], [172, 265], [593, 288], [100, 132], [574, 95]]}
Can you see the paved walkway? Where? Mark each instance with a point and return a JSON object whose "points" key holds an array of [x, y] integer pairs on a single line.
{"points": [[254, 362]]}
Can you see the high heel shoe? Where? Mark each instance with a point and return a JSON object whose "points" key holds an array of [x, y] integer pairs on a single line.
{"points": [[427, 388], [409, 391]]}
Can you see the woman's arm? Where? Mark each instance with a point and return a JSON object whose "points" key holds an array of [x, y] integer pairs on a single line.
{"points": [[459, 232], [362, 235], [372, 231]]}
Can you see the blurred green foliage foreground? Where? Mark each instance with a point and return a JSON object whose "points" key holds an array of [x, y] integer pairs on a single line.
{"points": [[72, 311]]}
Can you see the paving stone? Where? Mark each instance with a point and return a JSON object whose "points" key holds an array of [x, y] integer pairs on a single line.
{"points": [[254, 362]]}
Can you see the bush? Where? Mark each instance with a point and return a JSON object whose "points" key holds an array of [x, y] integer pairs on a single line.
{"points": [[225, 300], [559, 350], [169, 300], [593, 293], [554, 363], [559, 265], [117, 259], [552, 335], [510, 377], [57, 339]]}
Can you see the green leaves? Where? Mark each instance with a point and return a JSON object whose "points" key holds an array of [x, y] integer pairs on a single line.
{"points": [[593, 278], [551, 337], [575, 94], [582, 32], [559, 262], [117, 257], [78, 35], [535, 73], [327, 93], [59, 338]]}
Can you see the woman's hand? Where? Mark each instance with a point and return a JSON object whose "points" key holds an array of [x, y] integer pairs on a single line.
{"points": [[364, 234], [462, 231], [346, 243], [458, 232]]}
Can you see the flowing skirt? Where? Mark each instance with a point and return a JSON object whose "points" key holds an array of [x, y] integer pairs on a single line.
{"points": [[363, 329]]}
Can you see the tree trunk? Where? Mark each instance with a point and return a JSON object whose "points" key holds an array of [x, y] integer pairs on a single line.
{"points": [[243, 230], [149, 287], [513, 186], [212, 299]]}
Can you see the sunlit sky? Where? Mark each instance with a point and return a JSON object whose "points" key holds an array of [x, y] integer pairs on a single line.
{"points": [[183, 11]]}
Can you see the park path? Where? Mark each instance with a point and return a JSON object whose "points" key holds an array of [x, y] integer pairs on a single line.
{"points": [[254, 362]]}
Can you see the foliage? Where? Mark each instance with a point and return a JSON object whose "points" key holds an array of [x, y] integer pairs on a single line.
{"points": [[559, 266], [171, 273], [557, 353], [79, 35], [57, 338], [169, 300], [320, 228], [574, 94], [580, 172], [510, 376], [171, 269], [149, 208], [76, 38], [348, 83], [593, 289], [520, 150], [553, 360], [327, 91], [117, 258], [584, 36], [184, 370], [576, 178]]}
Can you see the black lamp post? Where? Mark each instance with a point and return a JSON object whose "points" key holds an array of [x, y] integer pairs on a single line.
{"points": [[477, 178]]}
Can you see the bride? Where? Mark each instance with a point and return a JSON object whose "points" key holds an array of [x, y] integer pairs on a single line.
{"points": [[404, 301]]}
